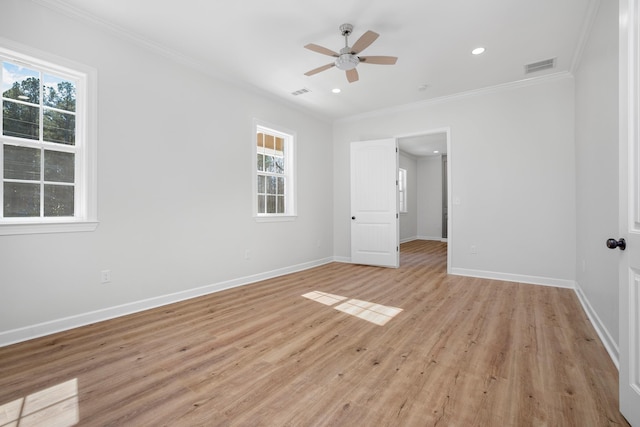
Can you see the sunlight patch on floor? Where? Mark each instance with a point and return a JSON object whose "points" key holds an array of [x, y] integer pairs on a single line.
{"points": [[324, 298], [54, 406], [365, 310]]}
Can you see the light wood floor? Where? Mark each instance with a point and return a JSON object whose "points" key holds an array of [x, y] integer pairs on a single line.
{"points": [[462, 352]]}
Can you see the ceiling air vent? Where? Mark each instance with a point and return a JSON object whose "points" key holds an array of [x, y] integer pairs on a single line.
{"points": [[540, 65], [300, 92]]}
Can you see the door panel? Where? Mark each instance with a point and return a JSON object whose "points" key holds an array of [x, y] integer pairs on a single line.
{"points": [[374, 203], [629, 209]]}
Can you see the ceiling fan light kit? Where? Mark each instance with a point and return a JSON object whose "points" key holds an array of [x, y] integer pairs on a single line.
{"points": [[347, 60]]}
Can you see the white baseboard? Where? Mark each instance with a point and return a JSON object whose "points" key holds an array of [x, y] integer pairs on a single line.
{"points": [[46, 328], [411, 239], [533, 280], [601, 330], [435, 238]]}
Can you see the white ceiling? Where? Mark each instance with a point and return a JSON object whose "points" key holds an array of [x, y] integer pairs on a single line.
{"points": [[259, 43]]}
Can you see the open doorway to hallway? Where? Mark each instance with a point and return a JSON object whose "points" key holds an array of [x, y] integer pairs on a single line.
{"points": [[423, 161]]}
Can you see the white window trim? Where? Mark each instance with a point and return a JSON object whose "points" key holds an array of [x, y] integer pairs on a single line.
{"points": [[290, 158], [86, 218]]}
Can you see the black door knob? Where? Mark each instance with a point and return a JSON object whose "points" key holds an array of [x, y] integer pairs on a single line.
{"points": [[353, 217], [613, 243]]}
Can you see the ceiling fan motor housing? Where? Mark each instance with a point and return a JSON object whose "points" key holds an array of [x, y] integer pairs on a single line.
{"points": [[347, 61]]}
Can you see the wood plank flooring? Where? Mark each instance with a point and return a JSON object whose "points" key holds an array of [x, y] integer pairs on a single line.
{"points": [[462, 352]]}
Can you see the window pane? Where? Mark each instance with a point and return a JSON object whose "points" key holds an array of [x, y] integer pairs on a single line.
{"points": [[21, 163], [280, 185], [20, 83], [261, 204], [269, 164], [58, 200], [59, 93], [59, 166], [260, 139], [20, 120], [59, 127], [260, 162], [280, 145], [21, 200], [269, 142], [280, 206], [271, 185], [279, 164], [262, 184], [271, 204]]}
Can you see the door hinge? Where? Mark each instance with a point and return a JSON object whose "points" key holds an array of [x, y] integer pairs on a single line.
{"points": [[397, 216], [397, 249]]}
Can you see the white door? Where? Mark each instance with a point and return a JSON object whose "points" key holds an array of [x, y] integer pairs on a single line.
{"points": [[374, 203], [629, 229]]}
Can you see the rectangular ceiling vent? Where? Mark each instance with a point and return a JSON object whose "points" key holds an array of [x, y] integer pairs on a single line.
{"points": [[540, 65], [300, 92]]}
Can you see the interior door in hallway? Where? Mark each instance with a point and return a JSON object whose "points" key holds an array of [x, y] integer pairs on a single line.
{"points": [[374, 203], [629, 209]]}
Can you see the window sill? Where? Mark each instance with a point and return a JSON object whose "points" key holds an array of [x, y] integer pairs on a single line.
{"points": [[274, 218], [7, 228]]}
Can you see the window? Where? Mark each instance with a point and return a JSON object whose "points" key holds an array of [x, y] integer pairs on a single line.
{"points": [[274, 195], [48, 178], [402, 189]]}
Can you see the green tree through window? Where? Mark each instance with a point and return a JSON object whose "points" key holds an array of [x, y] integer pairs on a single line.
{"points": [[39, 143]]}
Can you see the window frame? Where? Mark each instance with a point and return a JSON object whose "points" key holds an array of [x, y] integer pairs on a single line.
{"points": [[290, 138], [403, 205], [85, 147]]}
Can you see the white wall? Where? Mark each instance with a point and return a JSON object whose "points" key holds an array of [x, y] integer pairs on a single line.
{"points": [[512, 166], [597, 172], [409, 220], [430, 198], [174, 194]]}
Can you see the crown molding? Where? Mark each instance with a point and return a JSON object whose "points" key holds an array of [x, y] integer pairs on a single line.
{"points": [[562, 75], [73, 12], [60, 6]]}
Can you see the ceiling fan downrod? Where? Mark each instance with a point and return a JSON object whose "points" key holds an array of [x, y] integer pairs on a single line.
{"points": [[346, 61]]}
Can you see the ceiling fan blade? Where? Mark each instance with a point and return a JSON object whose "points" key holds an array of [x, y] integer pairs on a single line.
{"points": [[317, 70], [322, 50], [382, 60], [364, 41], [352, 75]]}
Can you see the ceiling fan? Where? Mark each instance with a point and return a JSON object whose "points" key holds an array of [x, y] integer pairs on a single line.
{"points": [[347, 60]]}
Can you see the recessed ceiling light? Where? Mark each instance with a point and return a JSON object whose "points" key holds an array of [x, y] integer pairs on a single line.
{"points": [[336, 90], [478, 51]]}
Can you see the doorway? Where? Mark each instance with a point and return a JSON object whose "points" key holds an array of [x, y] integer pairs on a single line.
{"points": [[426, 158]]}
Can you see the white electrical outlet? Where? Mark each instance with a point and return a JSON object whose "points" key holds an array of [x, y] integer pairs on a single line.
{"points": [[105, 276], [474, 250]]}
